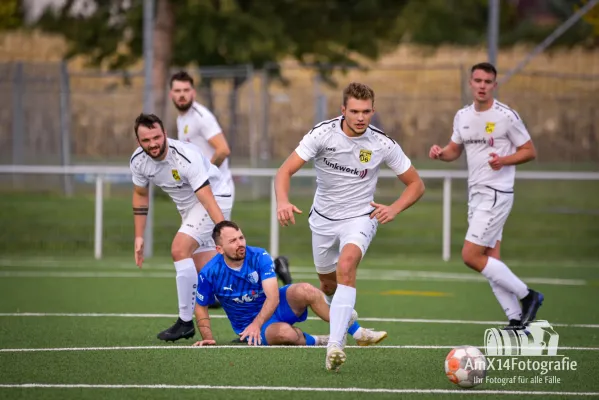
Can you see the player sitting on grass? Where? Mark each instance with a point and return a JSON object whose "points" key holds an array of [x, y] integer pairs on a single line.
{"points": [[243, 279]]}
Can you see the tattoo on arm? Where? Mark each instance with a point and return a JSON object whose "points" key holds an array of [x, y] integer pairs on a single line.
{"points": [[140, 210]]}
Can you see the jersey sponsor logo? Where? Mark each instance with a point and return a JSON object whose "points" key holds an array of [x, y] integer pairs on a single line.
{"points": [[358, 172], [253, 277], [489, 141], [247, 297], [186, 129], [330, 149], [176, 175], [365, 156], [230, 287], [490, 127]]}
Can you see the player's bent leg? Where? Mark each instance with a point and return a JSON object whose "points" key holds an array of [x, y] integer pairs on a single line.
{"points": [[303, 295], [473, 255], [283, 334], [499, 274], [182, 249], [200, 259], [507, 300], [328, 283], [347, 266], [342, 305]]}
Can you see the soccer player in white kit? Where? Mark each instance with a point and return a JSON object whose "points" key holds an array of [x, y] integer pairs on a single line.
{"points": [[495, 140], [202, 198], [197, 125], [348, 153]]}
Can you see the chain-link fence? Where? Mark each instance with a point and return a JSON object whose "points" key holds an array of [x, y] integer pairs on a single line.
{"points": [[50, 115]]}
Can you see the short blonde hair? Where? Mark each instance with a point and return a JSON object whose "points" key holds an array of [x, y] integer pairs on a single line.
{"points": [[358, 91]]}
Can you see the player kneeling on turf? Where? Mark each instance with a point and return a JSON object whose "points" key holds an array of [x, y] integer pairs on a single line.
{"points": [[243, 279]]}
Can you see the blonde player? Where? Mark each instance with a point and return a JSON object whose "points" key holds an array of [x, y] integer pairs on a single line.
{"points": [[202, 198], [197, 125], [348, 153], [496, 140]]}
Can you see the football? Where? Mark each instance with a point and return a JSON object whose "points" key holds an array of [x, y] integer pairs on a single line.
{"points": [[466, 366]]}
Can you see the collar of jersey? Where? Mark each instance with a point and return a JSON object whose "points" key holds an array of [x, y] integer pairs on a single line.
{"points": [[243, 266]]}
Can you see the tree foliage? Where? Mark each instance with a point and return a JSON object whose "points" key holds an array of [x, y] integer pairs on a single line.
{"points": [[231, 32], [438, 22], [11, 14]]}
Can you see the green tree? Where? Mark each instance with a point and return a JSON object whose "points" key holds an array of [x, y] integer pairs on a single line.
{"points": [[11, 14], [228, 32]]}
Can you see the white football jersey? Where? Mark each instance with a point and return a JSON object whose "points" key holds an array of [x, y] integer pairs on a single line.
{"points": [[197, 126], [497, 130], [183, 171], [347, 167]]}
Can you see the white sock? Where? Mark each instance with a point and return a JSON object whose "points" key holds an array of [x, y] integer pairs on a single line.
{"points": [[508, 301], [500, 274], [341, 310], [187, 281], [328, 299]]}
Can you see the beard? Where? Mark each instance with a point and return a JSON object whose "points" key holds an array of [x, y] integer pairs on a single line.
{"points": [[239, 255], [183, 107], [162, 150]]}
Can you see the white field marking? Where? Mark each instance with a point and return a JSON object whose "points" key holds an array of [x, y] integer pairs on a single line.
{"points": [[189, 347], [166, 264], [297, 389], [365, 274], [222, 316]]}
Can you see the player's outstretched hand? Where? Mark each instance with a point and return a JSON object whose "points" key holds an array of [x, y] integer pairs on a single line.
{"points": [[252, 333], [139, 251], [435, 152], [285, 213], [495, 162], [382, 213], [199, 343]]}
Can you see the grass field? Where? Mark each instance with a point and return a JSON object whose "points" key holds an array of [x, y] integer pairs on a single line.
{"points": [[77, 322], [72, 327]]}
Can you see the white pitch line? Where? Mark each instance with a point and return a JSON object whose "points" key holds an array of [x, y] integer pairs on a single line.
{"points": [[365, 274], [299, 389], [243, 347], [166, 264], [221, 316]]}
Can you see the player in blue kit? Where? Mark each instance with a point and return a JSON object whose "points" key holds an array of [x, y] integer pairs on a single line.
{"points": [[243, 279]]}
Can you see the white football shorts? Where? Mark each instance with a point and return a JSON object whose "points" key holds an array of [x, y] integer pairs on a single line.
{"points": [[330, 236], [198, 224], [488, 210]]}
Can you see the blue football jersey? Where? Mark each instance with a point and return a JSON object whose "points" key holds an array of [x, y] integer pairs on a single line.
{"points": [[239, 292]]}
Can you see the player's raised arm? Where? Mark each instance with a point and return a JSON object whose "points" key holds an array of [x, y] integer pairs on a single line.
{"points": [[285, 209]]}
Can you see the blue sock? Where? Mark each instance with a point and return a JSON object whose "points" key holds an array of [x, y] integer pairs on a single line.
{"points": [[310, 341], [352, 329]]}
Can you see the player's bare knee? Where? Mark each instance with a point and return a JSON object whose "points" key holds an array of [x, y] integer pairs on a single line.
{"points": [[328, 287], [472, 257], [180, 253], [346, 270], [309, 292], [283, 334]]}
